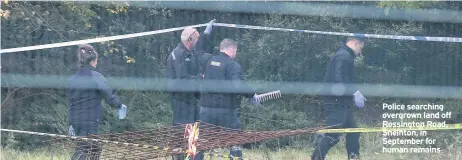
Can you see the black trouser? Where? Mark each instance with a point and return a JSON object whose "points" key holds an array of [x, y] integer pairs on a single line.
{"points": [[183, 113], [221, 117], [342, 116], [86, 150]]}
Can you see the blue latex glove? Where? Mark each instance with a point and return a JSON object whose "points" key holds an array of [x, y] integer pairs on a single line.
{"points": [[208, 29], [359, 99], [122, 111], [71, 131], [255, 100]]}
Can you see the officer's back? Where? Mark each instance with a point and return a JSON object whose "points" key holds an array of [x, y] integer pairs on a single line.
{"points": [[217, 70], [87, 88], [84, 99], [223, 68]]}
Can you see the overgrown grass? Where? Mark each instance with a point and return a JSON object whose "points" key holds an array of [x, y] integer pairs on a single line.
{"points": [[336, 153], [371, 149]]}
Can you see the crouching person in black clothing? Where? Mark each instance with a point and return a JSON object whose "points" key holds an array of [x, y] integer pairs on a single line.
{"points": [[86, 89], [218, 107]]}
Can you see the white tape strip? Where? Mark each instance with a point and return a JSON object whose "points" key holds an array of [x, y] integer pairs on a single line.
{"points": [[94, 40], [413, 38], [102, 39]]}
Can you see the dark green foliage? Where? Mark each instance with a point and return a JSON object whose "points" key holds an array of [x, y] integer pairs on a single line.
{"points": [[265, 56]]}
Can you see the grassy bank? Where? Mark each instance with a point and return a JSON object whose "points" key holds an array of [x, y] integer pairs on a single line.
{"points": [[289, 154]]}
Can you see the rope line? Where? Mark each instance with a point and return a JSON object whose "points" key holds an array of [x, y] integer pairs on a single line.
{"points": [[344, 130], [114, 142], [181, 150], [415, 38], [457, 126], [103, 39], [94, 40], [94, 140]]}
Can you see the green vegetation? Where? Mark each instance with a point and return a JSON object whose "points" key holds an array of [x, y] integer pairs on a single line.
{"points": [[265, 56]]}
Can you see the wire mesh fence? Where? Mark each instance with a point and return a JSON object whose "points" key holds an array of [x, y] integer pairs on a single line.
{"points": [[166, 141]]}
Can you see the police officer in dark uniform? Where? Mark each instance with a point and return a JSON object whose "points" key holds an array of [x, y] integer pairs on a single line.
{"points": [[202, 53], [184, 72], [218, 107], [86, 89], [339, 84]]}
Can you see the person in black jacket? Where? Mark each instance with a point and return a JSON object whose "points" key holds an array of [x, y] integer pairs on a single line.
{"points": [[202, 50], [184, 66], [86, 89], [220, 107], [202, 54], [183, 69], [341, 92]]}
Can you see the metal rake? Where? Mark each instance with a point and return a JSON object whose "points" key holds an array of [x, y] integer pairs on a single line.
{"points": [[268, 96]]}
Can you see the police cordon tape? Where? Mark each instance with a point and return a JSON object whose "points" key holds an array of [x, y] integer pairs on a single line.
{"points": [[344, 130], [414, 38], [118, 37], [94, 40], [90, 139], [382, 129]]}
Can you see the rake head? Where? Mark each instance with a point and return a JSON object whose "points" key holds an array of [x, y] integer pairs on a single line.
{"points": [[268, 96]]}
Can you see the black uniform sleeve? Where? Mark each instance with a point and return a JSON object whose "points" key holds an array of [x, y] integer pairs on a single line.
{"points": [[344, 66], [203, 43], [235, 72], [202, 51], [106, 91], [179, 67]]}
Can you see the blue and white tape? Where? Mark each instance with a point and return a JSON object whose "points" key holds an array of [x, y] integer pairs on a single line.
{"points": [[94, 40], [111, 38], [414, 38]]}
